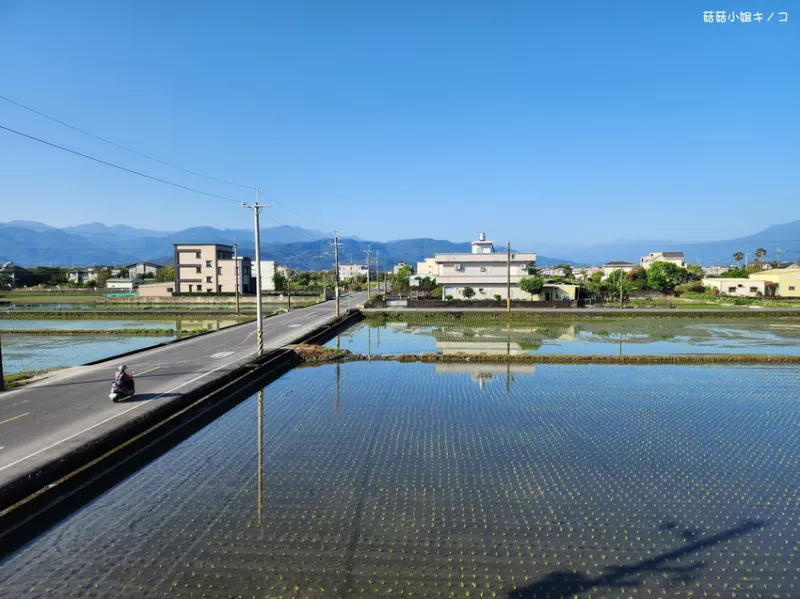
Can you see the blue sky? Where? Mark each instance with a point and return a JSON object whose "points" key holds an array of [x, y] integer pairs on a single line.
{"points": [[548, 122]]}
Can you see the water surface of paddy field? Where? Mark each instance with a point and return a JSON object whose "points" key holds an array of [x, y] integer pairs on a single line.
{"points": [[384, 479], [28, 352], [625, 336]]}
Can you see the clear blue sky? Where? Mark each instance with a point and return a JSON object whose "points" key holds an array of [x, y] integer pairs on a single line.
{"points": [[571, 122]]}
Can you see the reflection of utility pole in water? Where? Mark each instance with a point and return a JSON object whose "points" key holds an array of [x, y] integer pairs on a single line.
{"points": [[378, 333], [338, 378], [260, 452], [508, 358], [369, 340]]}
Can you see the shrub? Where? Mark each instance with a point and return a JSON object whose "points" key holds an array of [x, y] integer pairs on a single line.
{"points": [[497, 297], [679, 290], [448, 297], [696, 287]]}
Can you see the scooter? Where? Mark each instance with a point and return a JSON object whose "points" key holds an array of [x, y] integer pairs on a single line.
{"points": [[121, 391]]}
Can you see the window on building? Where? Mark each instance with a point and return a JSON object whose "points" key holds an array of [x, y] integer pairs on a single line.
{"points": [[731, 289], [219, 288], [791, 287], [198, 269], [208, 279], [190, 288], [209, 289], [219, 270], [170, 290], [208, 263], [197, 254], [754, 290]]}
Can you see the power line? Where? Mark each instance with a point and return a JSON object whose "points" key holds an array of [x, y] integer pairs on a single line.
{"points": [[117, 166], [121, 147], [148, 157]]}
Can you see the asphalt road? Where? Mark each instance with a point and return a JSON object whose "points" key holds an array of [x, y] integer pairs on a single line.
{"points": [[51, 417]]}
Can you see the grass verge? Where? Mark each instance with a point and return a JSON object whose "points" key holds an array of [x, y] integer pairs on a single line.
{"points": [[19, 379]]}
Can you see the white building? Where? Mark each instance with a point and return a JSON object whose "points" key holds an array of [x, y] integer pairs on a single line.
{"points": [[122, 285], [585, 273], [348, 271], [400, 265], [715, 271], [428, 267], [267, 278], [675, 257], [83, 275], [737, 287], [615, 265], [484, 270], [139, 269]]}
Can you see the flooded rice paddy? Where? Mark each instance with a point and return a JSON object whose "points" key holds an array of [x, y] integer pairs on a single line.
{"points": [[626, 336], [35, 352], [417, 480]]}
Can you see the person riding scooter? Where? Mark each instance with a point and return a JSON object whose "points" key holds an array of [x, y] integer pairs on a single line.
{"points": [[124, 380]]}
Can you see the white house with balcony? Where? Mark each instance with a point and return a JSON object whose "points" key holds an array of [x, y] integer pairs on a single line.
{"points": [[675, 257], [484, 270]]}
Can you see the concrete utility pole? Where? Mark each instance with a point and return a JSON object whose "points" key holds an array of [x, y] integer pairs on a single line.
{"points": [[2, 380], [368, 251], [256, 208], [621, 275], [336, 266], [778, 254], [508, 276], [378, 270], [236, 264]]}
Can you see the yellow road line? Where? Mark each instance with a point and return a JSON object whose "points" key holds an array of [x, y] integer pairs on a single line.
{"points": [[15, 417], [140, 373]]}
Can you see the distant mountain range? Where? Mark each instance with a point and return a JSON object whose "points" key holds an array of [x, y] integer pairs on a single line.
{"points": [[31, 243]]}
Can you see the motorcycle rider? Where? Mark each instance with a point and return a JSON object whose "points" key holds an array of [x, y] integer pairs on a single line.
{"points": [[124, 380]]}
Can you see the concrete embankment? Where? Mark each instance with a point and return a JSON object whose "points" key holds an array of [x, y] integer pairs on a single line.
{"points": [[34, 498]]}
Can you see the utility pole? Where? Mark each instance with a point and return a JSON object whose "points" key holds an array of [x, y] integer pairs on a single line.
{"points": [[256, 208], [289, 288], [336, 267], [378, 270], [621, 274], [236, 264], [508, 276], [778, 254], [368, 251], [2, 380]]}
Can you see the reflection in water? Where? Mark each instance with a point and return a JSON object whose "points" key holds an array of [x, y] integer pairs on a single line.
{"points": [[483, 373], [601, 481], [607, 336]]}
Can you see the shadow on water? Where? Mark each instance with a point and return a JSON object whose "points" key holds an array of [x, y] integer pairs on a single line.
{"points": [[563, 585]]}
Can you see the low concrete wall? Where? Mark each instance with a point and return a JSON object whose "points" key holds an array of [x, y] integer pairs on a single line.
{"points": [[458, 304], [245, 300]]}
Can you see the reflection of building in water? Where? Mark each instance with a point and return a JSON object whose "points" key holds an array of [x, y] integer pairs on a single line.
{"points": [[480, 347], [481, 373]]}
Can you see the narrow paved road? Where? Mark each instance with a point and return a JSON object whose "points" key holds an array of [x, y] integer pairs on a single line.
{"points": [[51, 417]]}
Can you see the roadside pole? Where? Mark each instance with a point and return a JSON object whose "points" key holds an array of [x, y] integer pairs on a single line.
{"points": [[336, 267], [368, 251], [508, 276], [378, 271], [2, 380], [236, 264], [621, 273], [256, 208]]}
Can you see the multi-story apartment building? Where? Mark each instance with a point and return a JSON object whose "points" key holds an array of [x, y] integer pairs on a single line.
{"points": [[675, 257], [428, 267], [209, 268]]}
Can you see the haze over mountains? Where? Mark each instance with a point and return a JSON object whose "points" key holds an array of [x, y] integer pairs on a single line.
{"points": [[32, 243]]}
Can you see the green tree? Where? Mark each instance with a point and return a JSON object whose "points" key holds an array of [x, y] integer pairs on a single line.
{"points": [[637, 277], [532, 285], [738, 257], [665, 276], [401, 278], [102, 278], [166, 274], [468, 292], [280, 282], [760, 253], [696, 272]]}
